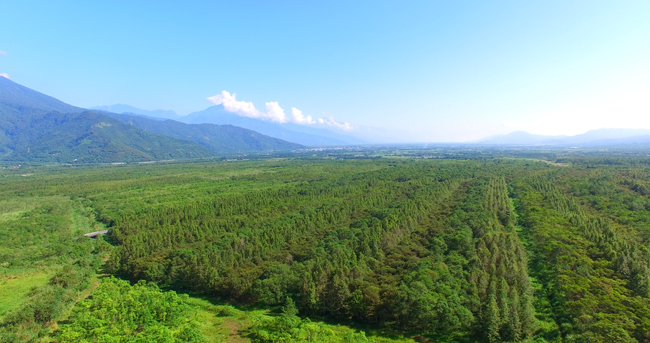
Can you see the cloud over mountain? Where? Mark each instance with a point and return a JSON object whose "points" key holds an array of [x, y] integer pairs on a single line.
{"points": [[230, 104], [300, 118], [329, 120], [273, 112]]}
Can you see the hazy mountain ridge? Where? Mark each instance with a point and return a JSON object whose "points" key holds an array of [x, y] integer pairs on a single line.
{"points": [[217, 115], [598, 137], [300, 134], [121, 108], [222, 138]]}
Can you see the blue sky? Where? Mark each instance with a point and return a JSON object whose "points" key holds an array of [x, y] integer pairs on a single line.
{"points": [[426, 70]]}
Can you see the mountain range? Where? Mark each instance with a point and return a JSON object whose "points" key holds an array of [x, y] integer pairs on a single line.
{"points": [[37, 127], [121, 108], [592, 138], [310, 136], [221, 138], [300, 134]]}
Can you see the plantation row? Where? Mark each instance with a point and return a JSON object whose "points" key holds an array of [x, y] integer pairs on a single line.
{"points": [[425, 248]]}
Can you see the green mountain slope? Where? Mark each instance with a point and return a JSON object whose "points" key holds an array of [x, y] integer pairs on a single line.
{"points": [[222, 138], [93, 137], [17, 96]]}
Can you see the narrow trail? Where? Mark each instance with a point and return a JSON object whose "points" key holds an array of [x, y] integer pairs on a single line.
{"points": [[234, 330]]}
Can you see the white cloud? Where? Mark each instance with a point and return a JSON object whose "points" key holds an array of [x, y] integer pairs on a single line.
{"points": [[4, 75], [230, 104], [3, 52], [246, 109], [300, 118], [329, 120], [273, 112]]}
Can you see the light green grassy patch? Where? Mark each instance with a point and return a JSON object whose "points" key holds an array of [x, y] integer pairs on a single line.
{"points": [[15, 289], [224, 323], [12, 209], [220, 323], [83, 220]]}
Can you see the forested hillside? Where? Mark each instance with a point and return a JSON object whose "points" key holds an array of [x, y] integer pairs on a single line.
{"points": [[90, 137], [220, 138], [491, 250]]}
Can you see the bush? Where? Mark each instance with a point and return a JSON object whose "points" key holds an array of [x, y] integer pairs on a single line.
{"points": [[119, 312]]}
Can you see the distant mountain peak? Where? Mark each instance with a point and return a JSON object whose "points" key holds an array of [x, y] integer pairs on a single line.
{"points": [[122, 108], [216, 114]]}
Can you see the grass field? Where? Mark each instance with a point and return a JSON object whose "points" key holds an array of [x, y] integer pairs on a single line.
{"points": [[15, 288], [225, 323]]}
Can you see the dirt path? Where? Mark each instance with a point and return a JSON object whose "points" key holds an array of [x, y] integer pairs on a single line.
{"points": [[540, 160], [234, 330], [551, 163]]}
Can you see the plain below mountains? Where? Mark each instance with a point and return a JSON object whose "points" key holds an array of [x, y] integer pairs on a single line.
{"points": [[593, 138], [37, 127], [299, 134]]}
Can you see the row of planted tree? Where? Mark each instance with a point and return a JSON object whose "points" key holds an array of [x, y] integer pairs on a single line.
{"points": [[423, 248]]}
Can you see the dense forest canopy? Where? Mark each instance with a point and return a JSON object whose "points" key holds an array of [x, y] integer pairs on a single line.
{"points": [[489, 250]]}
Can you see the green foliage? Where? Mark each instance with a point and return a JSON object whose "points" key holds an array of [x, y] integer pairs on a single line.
{"points": [[16, 289], [290, 328], [225, 311], [582, 257], [42, 241], [407, 245], [486, 251], [119, 312], [38, 231], [47, 304]]}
